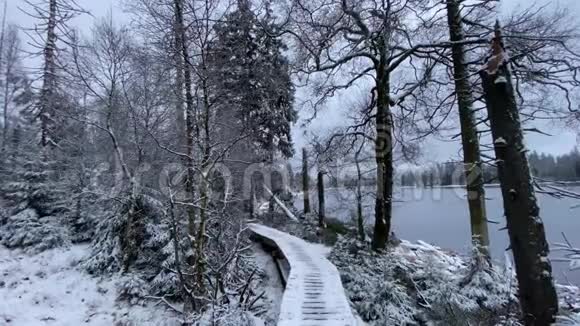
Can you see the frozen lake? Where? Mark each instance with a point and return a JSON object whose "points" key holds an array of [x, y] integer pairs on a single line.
{"points": [[440, 216]]}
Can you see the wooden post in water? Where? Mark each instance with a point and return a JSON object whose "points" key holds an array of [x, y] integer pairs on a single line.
{"points": [[537, 293]]}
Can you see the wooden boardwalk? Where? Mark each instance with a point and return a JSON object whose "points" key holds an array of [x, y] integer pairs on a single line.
{"points": [[314, 295]]}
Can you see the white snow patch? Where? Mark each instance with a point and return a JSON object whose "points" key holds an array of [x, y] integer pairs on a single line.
{"points": [[320, 249], [495, 62], [271, 285], [500, 80], [500, 141], [49, 289]]}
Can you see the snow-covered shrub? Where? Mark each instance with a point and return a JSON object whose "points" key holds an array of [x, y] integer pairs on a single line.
{"points": [[35, 184], [474, 293], [3, 216], [151, 271], [227, 262], [225, 315], [82, 227], [370, 284], [87, 206], [32, 232], [418, 283], [109, 253], [37, 204], [132, 288]]}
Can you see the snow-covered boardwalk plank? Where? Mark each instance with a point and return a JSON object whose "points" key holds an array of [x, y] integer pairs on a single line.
{"points": [[314, 295]]}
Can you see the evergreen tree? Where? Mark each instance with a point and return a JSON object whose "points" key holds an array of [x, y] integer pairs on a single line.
{"points": [[252, 77], [36, 199]]}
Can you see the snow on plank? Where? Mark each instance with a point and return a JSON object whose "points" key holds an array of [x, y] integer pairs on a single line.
{"points": [[314, 295]]}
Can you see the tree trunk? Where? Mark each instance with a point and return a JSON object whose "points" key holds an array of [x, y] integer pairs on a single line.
{"points": [[189, 113], [321, 210], [305, 181], [48, 86], [359, 210], [252, 203], [5, 111], [179, 83], [469, 139], [537, 294], [204, 194], [181, 44], [384, 159], [6, 103]]}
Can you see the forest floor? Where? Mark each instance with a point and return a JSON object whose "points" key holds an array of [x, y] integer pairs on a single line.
{"points": [[50, 289]]}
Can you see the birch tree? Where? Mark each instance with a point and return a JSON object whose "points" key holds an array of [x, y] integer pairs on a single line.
{"points": [[184, 69], [101, 68]]}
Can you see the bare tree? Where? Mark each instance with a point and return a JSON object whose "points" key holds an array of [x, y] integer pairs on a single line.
{"points": [[358, 42], [101, 67]]}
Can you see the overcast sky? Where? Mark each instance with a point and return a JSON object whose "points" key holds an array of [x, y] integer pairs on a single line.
{"points": [[562, 141]]}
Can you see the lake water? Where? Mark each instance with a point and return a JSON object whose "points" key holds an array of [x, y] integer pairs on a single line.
{"points": [[440, 216]]}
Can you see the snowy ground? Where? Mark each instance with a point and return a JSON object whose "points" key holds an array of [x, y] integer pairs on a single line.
{"points": [[49, 289], [272, 285]]}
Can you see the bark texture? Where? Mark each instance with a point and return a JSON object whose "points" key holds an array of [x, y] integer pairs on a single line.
{"points": [[185, 65], [180, 36], [384, 157], [49, 77], [526, 231], [321, 209], [305, 181], [5, 110], [469, 139], [359, 207]]}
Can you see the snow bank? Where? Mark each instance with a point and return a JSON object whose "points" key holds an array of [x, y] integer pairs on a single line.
{"points": [[49, 289]]}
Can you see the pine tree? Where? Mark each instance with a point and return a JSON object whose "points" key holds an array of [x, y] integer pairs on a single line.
{"points": [[253, 77], [37, 203]]}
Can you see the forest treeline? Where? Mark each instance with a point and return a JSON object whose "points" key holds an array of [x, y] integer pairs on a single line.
{"points": [[546, 167]]}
